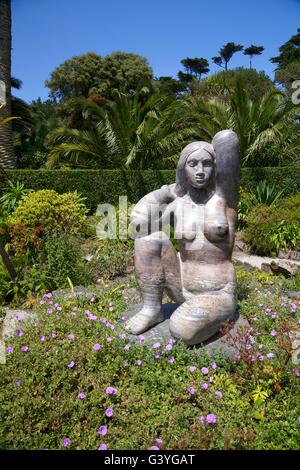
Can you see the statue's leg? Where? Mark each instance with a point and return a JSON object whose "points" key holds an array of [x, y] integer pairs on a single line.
{"points": [[172, 272], [151, 279], [201, 316]]}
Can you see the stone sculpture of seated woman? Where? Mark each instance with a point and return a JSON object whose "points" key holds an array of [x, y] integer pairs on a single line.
{"points": [[201, 207]]}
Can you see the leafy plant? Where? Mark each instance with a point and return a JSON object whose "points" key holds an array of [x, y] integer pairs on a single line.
{"points": [[14, 193], [266, 194]]}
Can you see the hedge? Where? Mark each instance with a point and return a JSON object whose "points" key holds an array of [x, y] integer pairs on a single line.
{"points": [[105, 186]]}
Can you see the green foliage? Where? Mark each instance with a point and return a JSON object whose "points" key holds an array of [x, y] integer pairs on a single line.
{"points": [[13, 194], [259, 125], [62, 259], [54, 212], [275, 227], [245, 204], [287, 75], [252, 51], [89, 73], [289, 52], [110, 259], [225, 54], [256, 407], [256, 83], [134, 131], [105, 186], [266, 194]]}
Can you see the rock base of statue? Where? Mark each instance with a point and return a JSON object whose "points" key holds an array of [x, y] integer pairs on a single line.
{"points": [[226, 344]]}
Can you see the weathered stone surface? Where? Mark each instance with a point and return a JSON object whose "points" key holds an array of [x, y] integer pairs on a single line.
{"points": [[79, 291], [284, 267], [13, 319], [216, 345], [201, 208]]}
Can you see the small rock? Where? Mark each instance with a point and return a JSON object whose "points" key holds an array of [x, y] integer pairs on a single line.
{"points": [[79, 291], [12, 320], [286, 268]]}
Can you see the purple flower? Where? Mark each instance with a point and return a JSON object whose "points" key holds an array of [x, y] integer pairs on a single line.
{"points": [[48, 295], [19, 333], [109, 412], [97, 347], [59, 308], [109, 339], [156, 345], [91, 317], [24, 348], [218, 393], [71, 336], [111, 391], [157, 355], [86, 312], [71, 364], [296, 372], [127, 346], [18, 383], [159, 442], [202, 420], [50, 310], [204, 386], [214, 365], [102, 430], [42, 338], [204, 370], [141, 338], [261, 357], [138, 362], [273, 333], [154, 448], [53, 335], [191, 390], [66, 442], [192, 369], [102, 447], [125, 364], [42, 302], [122, 336], [211, 418], [294, 307], [81, 396], [111, 309], [9, 349], [169, 347], [270, 355], [171, 359]]}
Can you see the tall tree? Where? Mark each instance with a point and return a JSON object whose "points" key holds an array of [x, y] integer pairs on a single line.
{"points": [[7, 157], [89, 73], [289, 52], [252, 51], [226, 53], [196, 67]]}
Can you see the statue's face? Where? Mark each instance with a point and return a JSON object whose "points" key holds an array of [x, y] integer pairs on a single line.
{"points": [[199, 168]]}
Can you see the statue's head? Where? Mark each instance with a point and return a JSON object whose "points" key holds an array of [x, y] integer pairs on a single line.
{"points": [[196, 167]]}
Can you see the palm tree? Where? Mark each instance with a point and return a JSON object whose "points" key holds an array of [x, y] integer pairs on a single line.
{"points": [[252, 51], [131, 131], [259, 125], [7, 157]]}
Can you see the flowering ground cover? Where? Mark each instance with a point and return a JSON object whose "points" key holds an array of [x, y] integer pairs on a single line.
{"points": [[75, 381]]}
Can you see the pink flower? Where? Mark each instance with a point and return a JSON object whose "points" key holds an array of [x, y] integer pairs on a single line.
{"points": [[71, 364], [204, 386], [218, 393], [109, 339], [192, 369], [159, 442], [127, 346], [273, 333], [141, 338], [138, 362], [156, 345], [204, 370], [202, 420], [171, 359], [53, 335], [71, 336], [169, 347], [154, 448], [9, 349], [24, 348], [97, 347], [214, 365], [111, 391], [81, 396], [191, 390]]}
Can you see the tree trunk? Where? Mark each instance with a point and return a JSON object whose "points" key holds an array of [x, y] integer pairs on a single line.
{"points": [[7, 157]]}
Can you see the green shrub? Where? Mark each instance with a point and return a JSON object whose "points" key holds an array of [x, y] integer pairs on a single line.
{"points": [[111, 258], [272, 228], [54, 212], [63, 259], [105, 186]]}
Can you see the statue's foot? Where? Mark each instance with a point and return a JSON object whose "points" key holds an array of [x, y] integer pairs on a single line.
{"points": [[144, 319]]}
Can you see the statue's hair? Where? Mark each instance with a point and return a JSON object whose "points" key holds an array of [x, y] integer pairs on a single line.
{"points": [[181, 179]]}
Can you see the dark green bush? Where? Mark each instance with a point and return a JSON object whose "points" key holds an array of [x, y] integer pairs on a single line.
{"points": [[105, 186], [272, 228]]}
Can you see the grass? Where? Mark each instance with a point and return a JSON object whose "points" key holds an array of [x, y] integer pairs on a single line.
{"points": [[254, 399]]}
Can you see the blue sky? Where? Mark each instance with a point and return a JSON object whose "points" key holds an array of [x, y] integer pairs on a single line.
{"points": [[47, 32]]}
